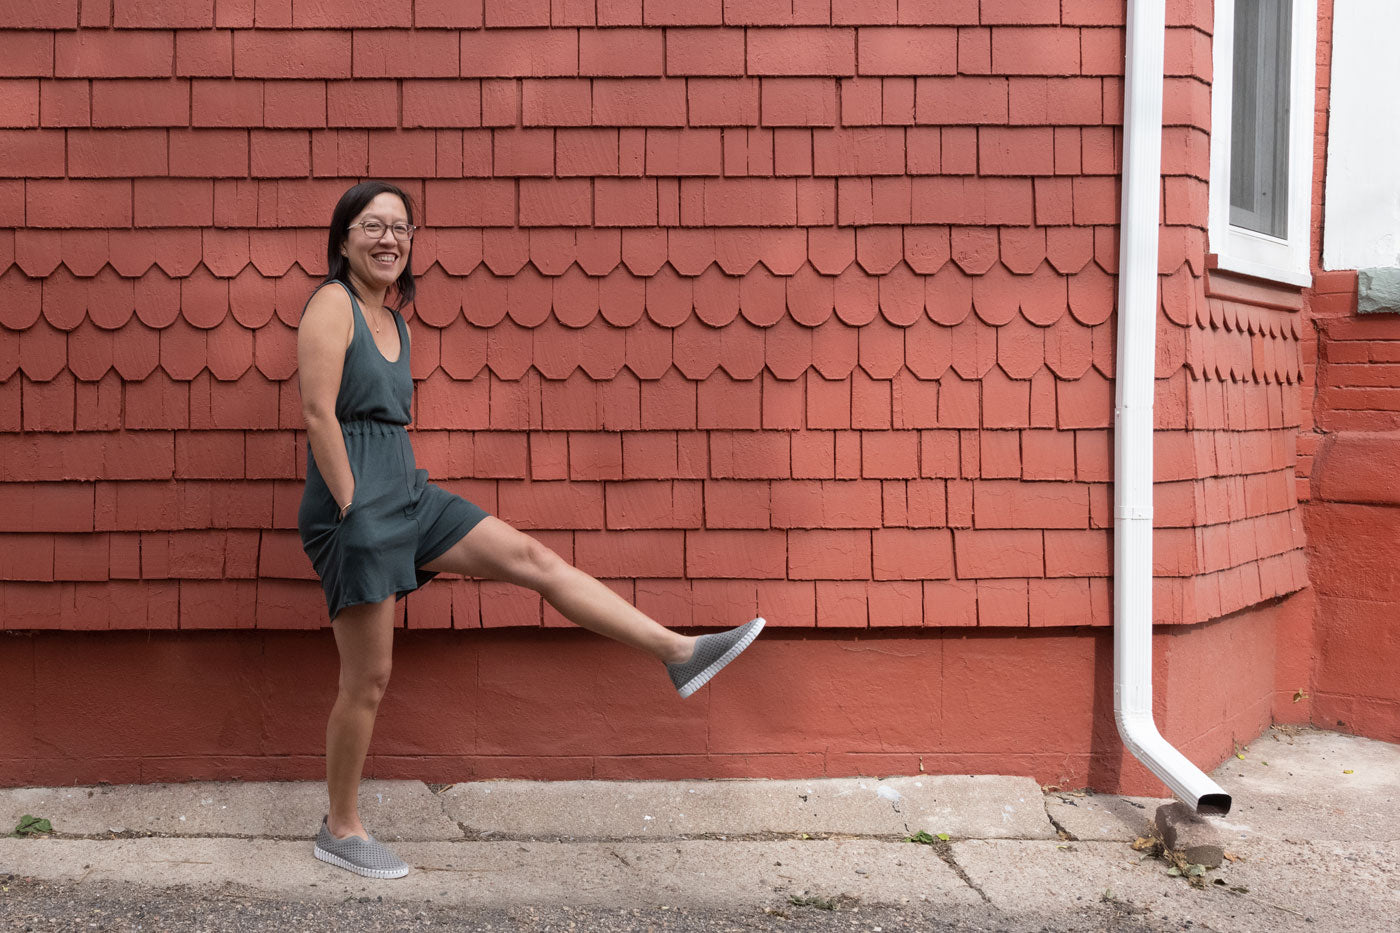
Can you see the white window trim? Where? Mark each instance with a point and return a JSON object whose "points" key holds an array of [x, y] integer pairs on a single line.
{"points": [[1238, 249]]}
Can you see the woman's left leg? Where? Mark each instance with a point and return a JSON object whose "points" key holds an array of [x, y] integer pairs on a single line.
{"points": [[494, 550]]}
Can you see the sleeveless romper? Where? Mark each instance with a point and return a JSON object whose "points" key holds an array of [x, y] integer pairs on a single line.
{"points": [[398, 520]]}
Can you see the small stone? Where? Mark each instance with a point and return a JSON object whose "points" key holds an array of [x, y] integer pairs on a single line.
{"points": [[1197, 838]]}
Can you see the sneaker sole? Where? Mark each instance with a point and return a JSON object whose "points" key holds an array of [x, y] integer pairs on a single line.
{"points": [[702, 678], [339, 862]]}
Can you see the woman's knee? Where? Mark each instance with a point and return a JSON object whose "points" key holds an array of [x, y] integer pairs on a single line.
{"points": [[366, 685], [534, 565]]}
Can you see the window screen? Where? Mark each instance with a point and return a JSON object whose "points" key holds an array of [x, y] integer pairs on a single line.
{"points": [[1259, 116]]}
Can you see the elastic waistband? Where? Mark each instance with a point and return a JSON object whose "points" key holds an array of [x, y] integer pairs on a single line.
{"points": [[371, 428]]}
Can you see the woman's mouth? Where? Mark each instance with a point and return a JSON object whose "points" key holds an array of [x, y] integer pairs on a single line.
{"points": [[385, 259]]}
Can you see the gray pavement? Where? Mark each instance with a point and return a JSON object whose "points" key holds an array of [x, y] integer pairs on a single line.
{"points": [[1313, 844]]}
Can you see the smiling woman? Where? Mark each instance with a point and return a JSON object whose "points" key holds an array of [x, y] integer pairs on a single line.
{"points": [[376, 529]]}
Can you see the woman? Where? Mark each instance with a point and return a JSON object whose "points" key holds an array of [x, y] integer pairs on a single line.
{"points": [[376, 529]]}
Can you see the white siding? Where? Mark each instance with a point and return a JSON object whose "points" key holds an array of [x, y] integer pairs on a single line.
{"points": [[1362, 221]]}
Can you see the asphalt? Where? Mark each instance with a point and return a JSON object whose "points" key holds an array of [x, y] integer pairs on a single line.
{"points": [[1313, 843]]}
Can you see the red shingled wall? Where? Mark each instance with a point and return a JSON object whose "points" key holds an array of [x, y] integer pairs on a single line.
{"points": [[799, 308]]}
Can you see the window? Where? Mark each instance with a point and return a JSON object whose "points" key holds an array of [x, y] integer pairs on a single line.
{"points": [[1261, 143]]}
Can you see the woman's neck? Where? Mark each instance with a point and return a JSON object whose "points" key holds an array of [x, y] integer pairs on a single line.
{"points": [[371, 295]]}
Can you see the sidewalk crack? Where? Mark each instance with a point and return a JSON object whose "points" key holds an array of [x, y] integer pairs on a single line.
{"points": [[1063, 833], [437, 791], [945, 852]]}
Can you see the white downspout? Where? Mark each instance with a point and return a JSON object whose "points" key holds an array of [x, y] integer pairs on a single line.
{"points": [[1132, 473]]}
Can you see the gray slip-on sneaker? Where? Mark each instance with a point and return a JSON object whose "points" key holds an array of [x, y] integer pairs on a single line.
{"points": [[712, 653], [371, 858]]}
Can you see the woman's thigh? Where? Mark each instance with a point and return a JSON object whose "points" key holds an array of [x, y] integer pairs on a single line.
{"points": [[364, 636], [494, 550]]}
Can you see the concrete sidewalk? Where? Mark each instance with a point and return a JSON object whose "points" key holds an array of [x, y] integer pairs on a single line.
{"points": [[1313, 842]]}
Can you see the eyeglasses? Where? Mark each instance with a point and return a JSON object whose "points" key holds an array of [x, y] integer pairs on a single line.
{"points": [[376, 228]]}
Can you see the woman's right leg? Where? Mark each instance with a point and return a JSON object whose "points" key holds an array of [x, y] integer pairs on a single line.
{"points": [[364, 636]]}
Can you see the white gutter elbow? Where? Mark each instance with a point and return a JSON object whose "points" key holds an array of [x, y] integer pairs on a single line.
{"points": [[1133, 423]]}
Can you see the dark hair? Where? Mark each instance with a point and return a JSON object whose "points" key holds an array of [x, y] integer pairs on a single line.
{"points": [[350, 204]]}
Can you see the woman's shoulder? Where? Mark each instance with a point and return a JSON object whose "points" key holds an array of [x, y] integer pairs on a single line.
{"points": [[329, 308], [329, 299]]}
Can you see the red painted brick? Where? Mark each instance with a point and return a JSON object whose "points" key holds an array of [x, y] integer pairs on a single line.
{"points": [[113, 54], [989, 554], [908, 50], [745, 554], [801, 51]]}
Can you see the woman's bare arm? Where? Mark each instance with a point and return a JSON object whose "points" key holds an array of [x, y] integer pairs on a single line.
{"points": [[322, 337]]}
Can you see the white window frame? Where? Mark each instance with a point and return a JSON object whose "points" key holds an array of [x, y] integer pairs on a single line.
{"points": [[1238, 249]]}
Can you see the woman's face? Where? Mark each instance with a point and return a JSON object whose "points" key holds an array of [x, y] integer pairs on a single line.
{"points": [[377, 262]]}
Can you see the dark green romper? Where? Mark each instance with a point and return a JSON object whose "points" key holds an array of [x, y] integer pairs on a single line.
{"points": [[398, 521]]}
